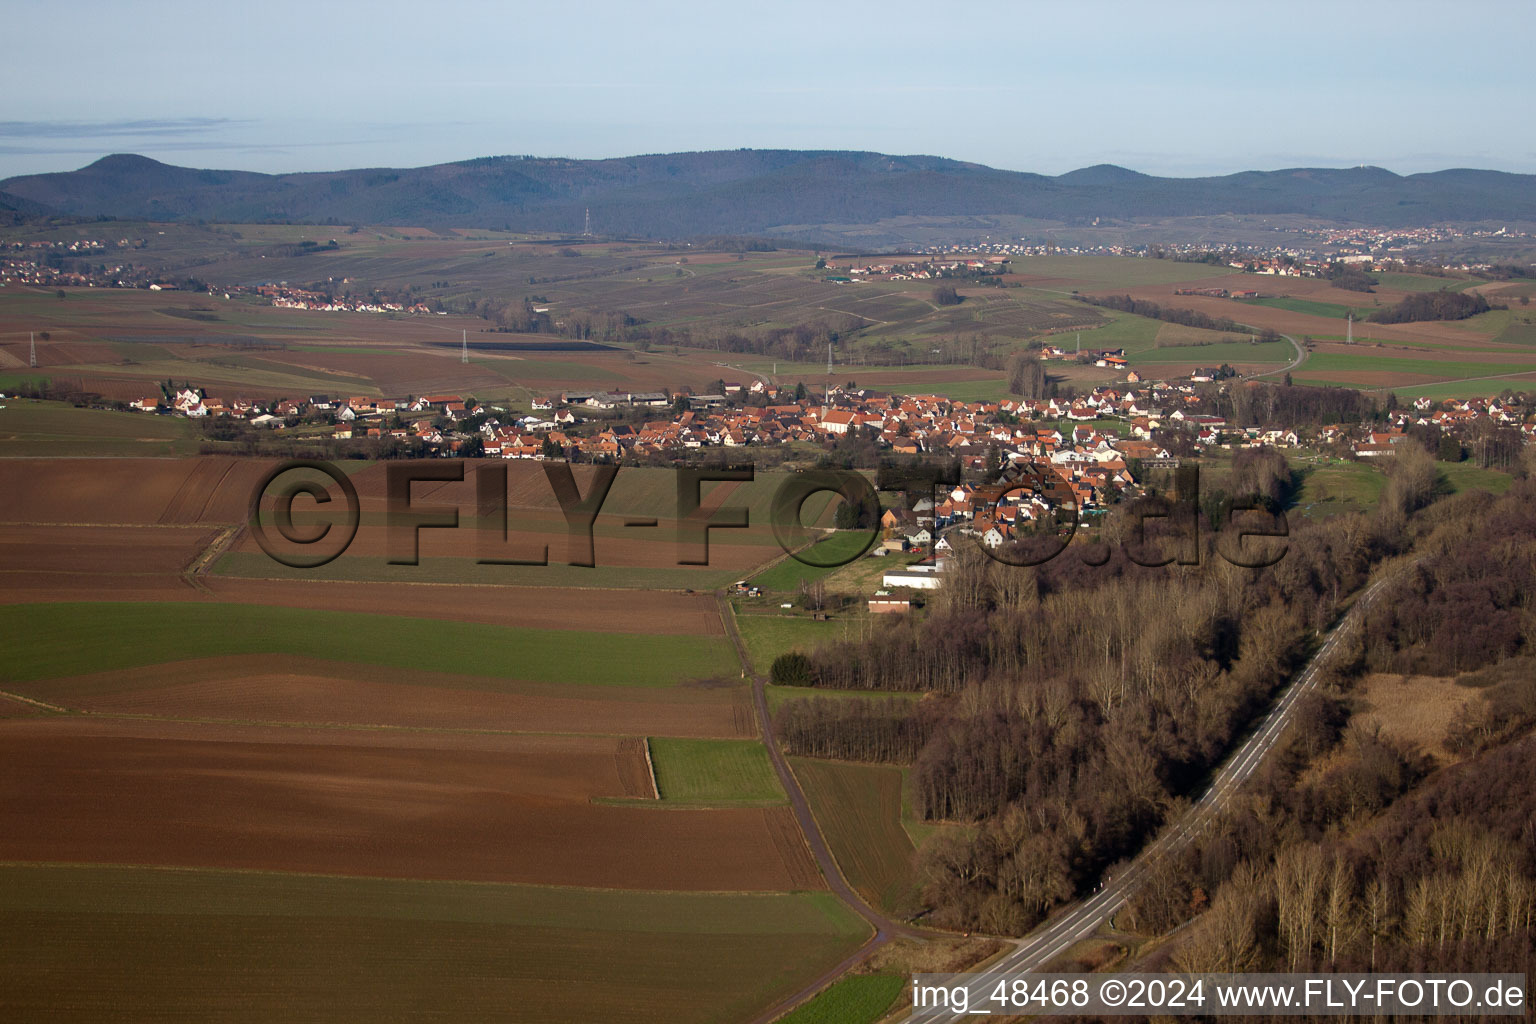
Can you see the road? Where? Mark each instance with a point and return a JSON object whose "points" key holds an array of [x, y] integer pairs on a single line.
{"points": [[885, 928], [1080, 919], [1301, 357]]}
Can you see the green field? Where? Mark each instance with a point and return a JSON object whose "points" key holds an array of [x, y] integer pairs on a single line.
{"points": [[769, 635], [856, 999], [1132, 333], [991, 389], [1519, 332], [1334, 486], [859, 810], [1492, 323], [1311, 308], [1475, 388], [52, 640], [1215, 355], [101, 943], [1466, 476], [842, 546], [714, 772], [1320, 364], [29, 428]]}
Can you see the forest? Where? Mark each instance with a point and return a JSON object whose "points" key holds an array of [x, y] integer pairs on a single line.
{"points": [[1072, 706], [1356, 852], [1441, 305], [1071, 709]]}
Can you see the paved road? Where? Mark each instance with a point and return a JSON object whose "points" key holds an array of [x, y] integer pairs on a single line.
{"points": [[1077, 920], [1301, 357]]}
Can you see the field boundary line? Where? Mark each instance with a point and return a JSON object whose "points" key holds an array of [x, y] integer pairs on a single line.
{"points": [[650, 767], [204, 561], [55, 708]]}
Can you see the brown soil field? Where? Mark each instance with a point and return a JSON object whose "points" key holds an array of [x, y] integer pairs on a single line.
{"points": [[1454, 358], [397, 374], [356, 802], [10, 707], [42, 587], [83, 328], [209, 489], [62, 353], [649, 547], [634, 765], [614, 611], [1181, 368], [216, 489], [274, 688], [919, 381], [527, 487], [103, 549]]}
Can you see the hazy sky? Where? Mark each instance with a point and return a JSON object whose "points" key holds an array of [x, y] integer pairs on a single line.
{"points": [[1164, 87]]}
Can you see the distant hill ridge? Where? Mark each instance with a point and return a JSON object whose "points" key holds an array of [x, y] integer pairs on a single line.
{"points": [[753, 192]]}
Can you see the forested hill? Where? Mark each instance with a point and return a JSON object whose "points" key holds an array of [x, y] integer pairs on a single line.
{"points": [[798, 193]]}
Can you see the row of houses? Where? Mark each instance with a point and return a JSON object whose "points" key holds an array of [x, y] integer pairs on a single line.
{"points": [[1101, 433]]}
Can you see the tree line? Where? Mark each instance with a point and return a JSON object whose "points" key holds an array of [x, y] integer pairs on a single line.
{"points": [[1174, 315], [1441, 305]]}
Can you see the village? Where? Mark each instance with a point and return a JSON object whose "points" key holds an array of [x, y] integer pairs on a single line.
{"points": [[1093, 448], [1403, 249]]}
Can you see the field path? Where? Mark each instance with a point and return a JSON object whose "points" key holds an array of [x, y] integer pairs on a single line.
{"points": [[885, 928]]}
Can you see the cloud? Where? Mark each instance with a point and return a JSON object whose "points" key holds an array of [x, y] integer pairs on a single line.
{"points": [[98, 129]]}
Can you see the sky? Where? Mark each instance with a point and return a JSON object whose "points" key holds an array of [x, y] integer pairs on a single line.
{"points": [[1175, 88]]}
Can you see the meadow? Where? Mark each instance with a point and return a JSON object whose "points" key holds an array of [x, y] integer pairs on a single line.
{"points": [[768, 634], [1331, 486], [714, 772]]}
